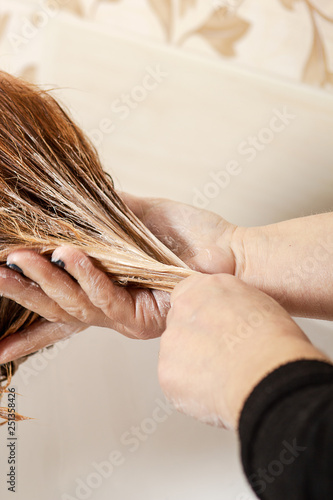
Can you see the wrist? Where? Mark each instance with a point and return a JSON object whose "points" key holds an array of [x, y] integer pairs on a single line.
{"points": [[261, 261], [291, 262], [250, 248]]}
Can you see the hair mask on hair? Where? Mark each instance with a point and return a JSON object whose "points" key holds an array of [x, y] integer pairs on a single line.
{"points": [[54, 191]]}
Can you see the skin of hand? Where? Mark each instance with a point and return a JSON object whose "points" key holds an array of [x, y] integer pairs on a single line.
{"points": [[222, 337], [291, 261], [200, 238]]}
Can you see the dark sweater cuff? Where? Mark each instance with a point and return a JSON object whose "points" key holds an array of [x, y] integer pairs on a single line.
{"points": [[280, 383]]}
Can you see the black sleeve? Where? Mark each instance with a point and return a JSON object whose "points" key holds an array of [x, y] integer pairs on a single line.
{"points": [[286, 433]]}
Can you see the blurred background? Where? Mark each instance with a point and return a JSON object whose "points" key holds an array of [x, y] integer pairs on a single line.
{"points": [[226, 105]]}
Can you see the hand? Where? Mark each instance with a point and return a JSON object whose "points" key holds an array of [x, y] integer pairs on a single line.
{"points": [[222, 337], [70, 307], [202, 239]]}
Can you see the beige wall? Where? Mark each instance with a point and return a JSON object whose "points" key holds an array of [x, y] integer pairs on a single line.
{"points": [[228, 110]]}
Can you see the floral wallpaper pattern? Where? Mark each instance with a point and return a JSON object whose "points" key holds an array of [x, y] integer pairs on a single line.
{"points": [[288, 38]]}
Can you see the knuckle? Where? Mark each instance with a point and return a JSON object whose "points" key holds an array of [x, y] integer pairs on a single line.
{"points": [[116, 307], [80, 260], [56, 314], [79, 312], [53, 316], [99, 293], [102, 302]]}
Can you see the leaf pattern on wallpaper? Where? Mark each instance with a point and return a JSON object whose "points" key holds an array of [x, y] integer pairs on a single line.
{"points": [[97, 2], [163, 10], [4, 18], [75, 6], [222, 30], [315, 70], [185, 5], [94, 6], [289, 4]]}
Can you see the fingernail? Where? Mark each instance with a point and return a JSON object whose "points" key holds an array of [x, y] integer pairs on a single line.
{"points": [[59, 263], [15, 268]]}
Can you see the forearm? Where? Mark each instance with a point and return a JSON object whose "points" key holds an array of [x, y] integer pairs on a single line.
{"points": [[292, 261]]}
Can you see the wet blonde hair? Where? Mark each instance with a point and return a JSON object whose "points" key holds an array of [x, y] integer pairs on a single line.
{"points": [[54, 191]]}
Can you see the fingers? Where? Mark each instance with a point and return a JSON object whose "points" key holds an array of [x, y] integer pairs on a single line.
{"points": [[35, 337], [29, 295], [69, 300], [94, 299], [113, 300], [134, 312]]}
